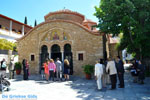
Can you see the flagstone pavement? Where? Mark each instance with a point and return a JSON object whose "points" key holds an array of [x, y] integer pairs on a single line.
{"points": [[76, 89]]}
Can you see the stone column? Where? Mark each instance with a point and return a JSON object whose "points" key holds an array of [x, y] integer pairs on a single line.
{"points": [[62, 55], [22, 29], [62, 58], [10, 27], [9, 66], [8, 62], [49, 53]]}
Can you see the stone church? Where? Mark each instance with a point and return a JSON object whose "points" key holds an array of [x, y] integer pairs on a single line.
{"points": [[64, 34]]}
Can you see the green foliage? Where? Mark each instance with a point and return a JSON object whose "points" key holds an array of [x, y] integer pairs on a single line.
{"points": [[129, 17], [7, 45], [88, 69], [18, 66], [147, 73]]}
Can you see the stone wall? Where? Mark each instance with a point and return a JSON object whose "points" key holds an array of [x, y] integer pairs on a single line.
{"points": [[113, 52], [71, 17], [80, 39]]}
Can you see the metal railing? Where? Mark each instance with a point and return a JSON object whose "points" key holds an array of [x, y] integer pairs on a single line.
{"points": [[6, 52]]}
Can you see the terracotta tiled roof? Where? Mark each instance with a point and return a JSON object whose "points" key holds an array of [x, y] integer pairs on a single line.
{"points": [[15, 21], [64, 11], [89, 21]]}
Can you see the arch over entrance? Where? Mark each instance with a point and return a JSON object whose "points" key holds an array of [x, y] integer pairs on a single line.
{"points": [[55, 52], [43, 56], [67, 48], [68, 55]]}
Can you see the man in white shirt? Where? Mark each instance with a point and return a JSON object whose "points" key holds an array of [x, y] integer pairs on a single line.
{"points": [[98, 74], [58, 69]]}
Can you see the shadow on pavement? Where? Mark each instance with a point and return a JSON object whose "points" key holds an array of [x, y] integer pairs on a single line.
{"points": [[87, 89]]}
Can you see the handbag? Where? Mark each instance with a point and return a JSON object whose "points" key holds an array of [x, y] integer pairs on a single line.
{"points": [[4, 65], [133, 72]]}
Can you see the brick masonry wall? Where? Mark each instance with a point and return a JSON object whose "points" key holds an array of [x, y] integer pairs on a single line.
{"points": [[4, 22], [16, 26], [80, 40], [113, 52], [72, 17]]}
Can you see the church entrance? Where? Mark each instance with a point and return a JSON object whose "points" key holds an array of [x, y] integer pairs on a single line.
{"points": [[55, 52], [68, 55], [43, 56]]}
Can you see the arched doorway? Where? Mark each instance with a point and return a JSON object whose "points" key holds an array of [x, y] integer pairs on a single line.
{"points": [[68, 55], [55, 52], [43, 56]]}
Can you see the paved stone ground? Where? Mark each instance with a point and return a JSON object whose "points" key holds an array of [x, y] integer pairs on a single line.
{"points": [[75, 89]]}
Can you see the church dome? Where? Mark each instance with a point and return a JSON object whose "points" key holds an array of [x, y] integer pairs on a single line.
{"points": [[65, 14]]}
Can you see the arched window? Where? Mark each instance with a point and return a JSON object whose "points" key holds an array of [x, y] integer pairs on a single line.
{"points": [[67, 48], [44, 55], [44, 49], [55, 48]]}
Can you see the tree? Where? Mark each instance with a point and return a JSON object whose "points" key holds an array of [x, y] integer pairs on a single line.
{"points": [[35, 23], [25, 20], [7, 45], [129, 17]]}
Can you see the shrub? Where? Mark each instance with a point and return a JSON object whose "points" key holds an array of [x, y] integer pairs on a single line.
{"points": [[18, 66], [88, 69]]}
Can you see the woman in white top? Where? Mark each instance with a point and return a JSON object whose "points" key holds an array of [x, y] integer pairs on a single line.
{"points": [[111, 69]]}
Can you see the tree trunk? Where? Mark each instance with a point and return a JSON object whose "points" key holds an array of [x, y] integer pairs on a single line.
{"points": [[104, 47], [140, 54], [130, 34]]}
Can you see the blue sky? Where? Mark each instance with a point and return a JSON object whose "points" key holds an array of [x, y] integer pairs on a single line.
{"points": [[37, 9]]}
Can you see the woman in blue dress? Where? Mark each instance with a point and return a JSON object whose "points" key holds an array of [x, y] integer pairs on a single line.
{"points": [[66, 69]]}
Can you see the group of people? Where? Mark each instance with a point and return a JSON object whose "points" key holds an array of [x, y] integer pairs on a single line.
{"points": [[52, 69], [137, 71], [25, 65], [8, 67], [105, 71]]}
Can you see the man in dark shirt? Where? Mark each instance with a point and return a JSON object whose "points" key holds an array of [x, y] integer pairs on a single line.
{"points": [[120, 71]]}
